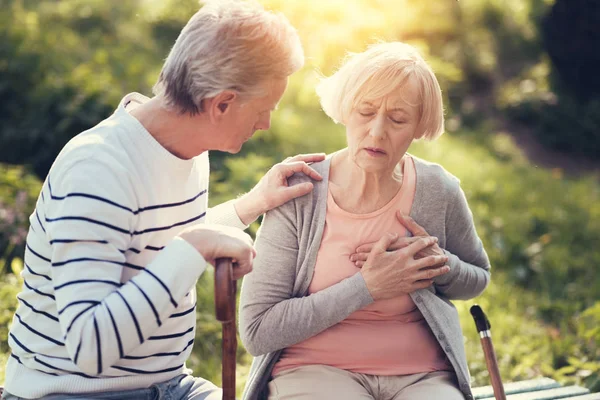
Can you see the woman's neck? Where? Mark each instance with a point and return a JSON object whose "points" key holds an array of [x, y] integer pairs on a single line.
{"points": [[358, 191]]}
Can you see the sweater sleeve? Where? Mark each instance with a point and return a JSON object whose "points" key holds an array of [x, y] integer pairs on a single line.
{"points": [[90, 219], [469, 264], [271, 317], [225, 214]]}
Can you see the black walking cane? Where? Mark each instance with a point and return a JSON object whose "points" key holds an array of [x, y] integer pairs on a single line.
{"points": [[483, 327], [225, 290]]}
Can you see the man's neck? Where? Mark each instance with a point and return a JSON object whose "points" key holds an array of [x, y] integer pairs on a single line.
{"points": [[171, 130]]}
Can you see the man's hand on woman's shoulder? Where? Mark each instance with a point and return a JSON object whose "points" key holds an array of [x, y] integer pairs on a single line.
{"points": [[273, 190]]}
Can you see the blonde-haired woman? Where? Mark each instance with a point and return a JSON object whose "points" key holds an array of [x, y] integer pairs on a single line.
{"points": [[349, 298]]}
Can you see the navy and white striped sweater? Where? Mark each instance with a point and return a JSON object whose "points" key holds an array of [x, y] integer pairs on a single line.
{"points": [[108, 301]]}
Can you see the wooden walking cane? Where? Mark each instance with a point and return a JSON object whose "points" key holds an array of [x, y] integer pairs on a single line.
{"points": [[225, 291], [483, 327]]}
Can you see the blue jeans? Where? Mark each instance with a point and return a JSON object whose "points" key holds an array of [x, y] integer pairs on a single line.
{"points": [[182, 387]]}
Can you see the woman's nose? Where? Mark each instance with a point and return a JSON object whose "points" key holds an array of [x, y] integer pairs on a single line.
{"points": [[377, 128]]}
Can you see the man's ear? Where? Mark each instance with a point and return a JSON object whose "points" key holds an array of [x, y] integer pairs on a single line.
{"points": [[220, 105]]}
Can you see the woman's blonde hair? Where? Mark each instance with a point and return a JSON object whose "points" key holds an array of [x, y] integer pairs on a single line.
{"points": [[377, 72], [228, 45]]}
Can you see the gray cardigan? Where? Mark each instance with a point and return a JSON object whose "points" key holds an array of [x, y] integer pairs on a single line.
{"points": [[276, 312]]}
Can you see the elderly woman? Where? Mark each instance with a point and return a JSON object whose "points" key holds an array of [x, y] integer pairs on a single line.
{"points": [[349, 298]]}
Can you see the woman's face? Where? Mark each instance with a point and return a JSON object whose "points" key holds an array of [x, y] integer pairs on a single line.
{"points": [[379, 132]]}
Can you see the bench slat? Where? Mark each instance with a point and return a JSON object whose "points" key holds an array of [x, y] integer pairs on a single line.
{"points": [[532, 385], [550, 394], [591, 396]]}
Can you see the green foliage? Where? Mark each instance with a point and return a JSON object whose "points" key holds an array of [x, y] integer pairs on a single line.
{"points": [[578, 354], [10, 285], [557, 95], [564, 124], [62, 81], [18, 191]]}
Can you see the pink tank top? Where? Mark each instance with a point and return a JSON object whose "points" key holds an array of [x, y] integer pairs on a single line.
{"points": [[388, 337]]}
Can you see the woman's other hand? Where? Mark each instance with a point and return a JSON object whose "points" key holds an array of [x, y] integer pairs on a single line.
{"points": [[362, 252], [417, 231], [389, 274]]}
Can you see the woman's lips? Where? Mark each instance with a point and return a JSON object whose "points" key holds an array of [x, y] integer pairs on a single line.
{"points": [[375, 151]]}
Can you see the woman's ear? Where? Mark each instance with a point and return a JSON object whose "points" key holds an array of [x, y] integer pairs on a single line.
{"points": [[419, 133]]}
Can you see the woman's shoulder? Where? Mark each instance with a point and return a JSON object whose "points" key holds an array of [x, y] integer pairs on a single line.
{"points": [[319, 192], [434, 175], [322, 167]]}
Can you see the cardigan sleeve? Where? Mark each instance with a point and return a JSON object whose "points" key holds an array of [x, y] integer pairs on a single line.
{"points": [[271, 318], [469, 264]]}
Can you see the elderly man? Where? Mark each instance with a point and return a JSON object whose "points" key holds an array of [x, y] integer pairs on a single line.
{"points": [[121, 230]]}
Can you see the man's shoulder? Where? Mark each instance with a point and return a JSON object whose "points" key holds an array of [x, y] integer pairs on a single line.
{"points": [[97, 146]]}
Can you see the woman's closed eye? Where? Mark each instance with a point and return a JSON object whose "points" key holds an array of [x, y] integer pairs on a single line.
{"points": [[366, 113], [398, 121]]}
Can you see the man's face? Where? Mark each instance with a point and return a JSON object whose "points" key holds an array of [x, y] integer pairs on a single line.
{"points": [[249, 115]]}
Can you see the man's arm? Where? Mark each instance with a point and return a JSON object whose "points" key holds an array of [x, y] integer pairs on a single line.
{"points": [[270, 192], [90, 225], [226, 214]]}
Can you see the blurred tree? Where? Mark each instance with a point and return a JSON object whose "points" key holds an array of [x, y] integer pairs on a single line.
{"points": [[64, 66], [572, 39], [555, 92]]}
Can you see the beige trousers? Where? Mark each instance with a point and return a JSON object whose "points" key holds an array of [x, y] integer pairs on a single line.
{"points": [[320, 382]]}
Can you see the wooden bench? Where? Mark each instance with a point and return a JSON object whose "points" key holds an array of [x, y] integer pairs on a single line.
{"points": [[537, 389]]}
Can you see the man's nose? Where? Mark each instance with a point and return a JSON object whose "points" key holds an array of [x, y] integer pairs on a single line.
{"points": [[264, 123]]}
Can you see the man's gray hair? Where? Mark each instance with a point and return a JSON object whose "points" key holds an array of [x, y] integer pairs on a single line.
{"points": [[228, 45]]}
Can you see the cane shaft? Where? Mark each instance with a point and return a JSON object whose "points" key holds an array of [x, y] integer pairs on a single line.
{"points": [[229, 356], [225, 296], [492, 366]]}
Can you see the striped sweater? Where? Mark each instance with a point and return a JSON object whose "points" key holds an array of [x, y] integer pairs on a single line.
{"points": [[108, 301]]}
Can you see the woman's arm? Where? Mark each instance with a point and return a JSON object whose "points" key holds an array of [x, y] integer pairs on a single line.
{"points": [[271, 318], [469, 264]]}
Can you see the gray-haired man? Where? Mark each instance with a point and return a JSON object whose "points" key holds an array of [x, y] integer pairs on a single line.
{"points": [[119, 235]]}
